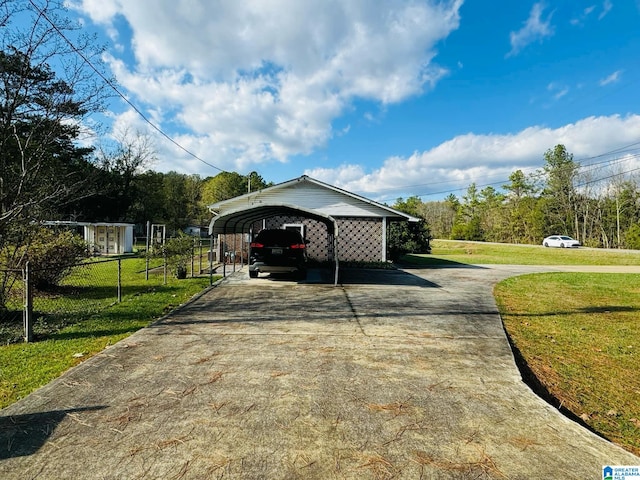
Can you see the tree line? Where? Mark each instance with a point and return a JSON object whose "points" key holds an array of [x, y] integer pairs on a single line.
{"points": [[49, 170], [563, 197]]}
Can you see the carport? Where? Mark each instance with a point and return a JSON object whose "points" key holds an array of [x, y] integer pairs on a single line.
{"points": [[241, 220]]}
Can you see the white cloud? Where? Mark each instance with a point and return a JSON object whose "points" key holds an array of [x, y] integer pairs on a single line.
{"points": [[606, 8], [583, 16], [263, 80], [613, 78], [483, 159], [535, 28], [557, 90]]}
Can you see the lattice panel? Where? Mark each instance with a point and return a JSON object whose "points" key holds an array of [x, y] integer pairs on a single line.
{"points": [[315, 232], [360, 239]]}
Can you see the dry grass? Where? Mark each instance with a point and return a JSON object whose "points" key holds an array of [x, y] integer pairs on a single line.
{"points": [[482, 467], [395, 408], [214, 377], [380, 467], [522, 443]]}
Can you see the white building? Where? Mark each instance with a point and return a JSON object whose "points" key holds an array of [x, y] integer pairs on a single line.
{"points": [[103, 237]]}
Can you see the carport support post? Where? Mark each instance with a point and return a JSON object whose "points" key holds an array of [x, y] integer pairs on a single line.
{"points": [[223, 249], [210, 259], [242, 250], [28, 305], [235, 239]]}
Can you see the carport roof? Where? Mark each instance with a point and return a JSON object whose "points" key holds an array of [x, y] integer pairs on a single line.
{"points": [[241, 219], [301, 196]]}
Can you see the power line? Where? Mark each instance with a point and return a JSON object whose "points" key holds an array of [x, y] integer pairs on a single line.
{"points": [[536, 174], [117, 91], [540, 174], [107, 81]]}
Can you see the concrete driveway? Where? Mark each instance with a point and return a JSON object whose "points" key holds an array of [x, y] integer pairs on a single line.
{"points": [[394, 374]]}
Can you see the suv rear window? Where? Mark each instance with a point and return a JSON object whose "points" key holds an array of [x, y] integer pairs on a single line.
{"points": [[270, 237]]}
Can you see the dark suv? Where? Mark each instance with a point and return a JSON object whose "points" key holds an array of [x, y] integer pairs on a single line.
{"points": [[278, 251]]}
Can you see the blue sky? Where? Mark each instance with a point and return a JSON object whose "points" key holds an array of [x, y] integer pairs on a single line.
{"points": [[388, 98]]}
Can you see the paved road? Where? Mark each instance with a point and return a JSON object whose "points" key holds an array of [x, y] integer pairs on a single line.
{"points": [[398, 374]]}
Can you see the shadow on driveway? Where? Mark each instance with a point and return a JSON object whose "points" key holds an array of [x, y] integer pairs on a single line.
{"points": [[364, 276], [23, 435]]}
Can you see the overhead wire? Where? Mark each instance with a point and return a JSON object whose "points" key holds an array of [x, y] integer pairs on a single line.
{"points": [[540, 173], [43, 14], [108, 82]]}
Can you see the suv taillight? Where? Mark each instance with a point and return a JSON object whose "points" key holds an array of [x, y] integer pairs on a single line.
{"points": [[257, 245], [298, 246]]}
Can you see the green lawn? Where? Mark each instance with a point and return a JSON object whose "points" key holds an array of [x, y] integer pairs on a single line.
{"points": [[64, 340], [444, 251], [577, 334]]}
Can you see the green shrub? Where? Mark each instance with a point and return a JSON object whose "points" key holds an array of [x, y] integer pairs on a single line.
{"points": [[178, 252], [408, 237], [51, 255], [632, 238]]}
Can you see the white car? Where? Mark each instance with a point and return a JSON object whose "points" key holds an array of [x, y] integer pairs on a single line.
{"points": [[561, 241]]}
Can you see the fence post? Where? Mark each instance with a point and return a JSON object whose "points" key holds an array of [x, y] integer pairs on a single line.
{"points": [[193, 253], [147, 251], [164, 256], [119, 280], [28, 305]]}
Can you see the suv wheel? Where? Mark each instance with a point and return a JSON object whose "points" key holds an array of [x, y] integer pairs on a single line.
{"points": [[253, 274]]}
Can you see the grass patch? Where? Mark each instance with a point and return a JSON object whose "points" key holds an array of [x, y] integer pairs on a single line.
{"points": [[452, 252], [75, 335], [579, 336]]}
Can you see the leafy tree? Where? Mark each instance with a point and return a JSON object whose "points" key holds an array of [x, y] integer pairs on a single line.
{"points": [[175, 201], [632, 237], [520, 186], [149, 202], [560, 170], [227, 185], [40, 165], [412, 206], [46, 90], [256, 182], [130, 154], [468, 222], [408, 237], [197, 213], [492, 218], [520, 209]]}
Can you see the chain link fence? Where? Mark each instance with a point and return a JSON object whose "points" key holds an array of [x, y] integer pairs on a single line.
{"points": [[12, 298], [31, 307]]}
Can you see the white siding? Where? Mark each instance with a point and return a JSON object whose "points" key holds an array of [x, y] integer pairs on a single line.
{"points": [[310, 196]]}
